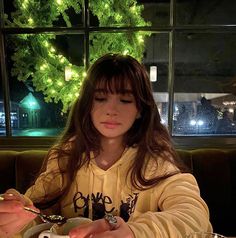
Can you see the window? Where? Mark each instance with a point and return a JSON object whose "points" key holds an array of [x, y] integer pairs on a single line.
{"points": [[204, 98], [187, 46]]}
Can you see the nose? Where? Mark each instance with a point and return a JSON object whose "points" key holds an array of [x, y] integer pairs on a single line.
{"points": [[111, 109]]}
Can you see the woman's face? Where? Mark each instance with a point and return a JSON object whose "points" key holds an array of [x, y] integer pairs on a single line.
{"points": [[113, 114]]}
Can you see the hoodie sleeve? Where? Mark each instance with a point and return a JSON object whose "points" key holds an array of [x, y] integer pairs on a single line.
{"points": [[182, 210]]}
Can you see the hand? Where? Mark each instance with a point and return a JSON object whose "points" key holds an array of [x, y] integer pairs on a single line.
{"points": [[101, 229], [13, 217]]}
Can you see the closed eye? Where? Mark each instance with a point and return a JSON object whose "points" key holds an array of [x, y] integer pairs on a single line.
{"points": [[99, 99], [126, 101]]}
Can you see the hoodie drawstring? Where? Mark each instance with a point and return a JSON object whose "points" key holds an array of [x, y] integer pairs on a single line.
{"points": [[91, 182]]}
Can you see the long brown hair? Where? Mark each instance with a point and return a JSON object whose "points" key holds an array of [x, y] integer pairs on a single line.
{"points": [[113, 72]]}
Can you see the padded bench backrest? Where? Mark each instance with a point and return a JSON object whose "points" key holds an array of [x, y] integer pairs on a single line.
{"points": [[18, 168]]}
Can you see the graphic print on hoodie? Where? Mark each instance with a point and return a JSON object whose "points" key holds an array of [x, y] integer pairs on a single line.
{"points": [[99, 208]]}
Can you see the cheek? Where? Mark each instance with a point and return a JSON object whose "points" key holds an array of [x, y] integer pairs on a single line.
{"points": [[95, 114]]}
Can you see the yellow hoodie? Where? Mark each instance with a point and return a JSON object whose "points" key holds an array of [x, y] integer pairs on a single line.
{"points": [[173, 208]]}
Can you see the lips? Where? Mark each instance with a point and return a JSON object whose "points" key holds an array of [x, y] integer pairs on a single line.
{"points": [[110, 124]]}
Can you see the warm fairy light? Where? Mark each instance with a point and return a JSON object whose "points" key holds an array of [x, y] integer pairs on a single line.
{"points": [[118, 17], [68, 73], [140, 39], [31, 21], [133, 9], [84, 74], [24, 6], [43, 67], [62, 60], [25, 3], [125, 52], [59, 2], [46, 44]]}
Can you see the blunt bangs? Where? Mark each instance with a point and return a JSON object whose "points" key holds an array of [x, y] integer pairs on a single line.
{"points": [[115, 85], [115, 76]]}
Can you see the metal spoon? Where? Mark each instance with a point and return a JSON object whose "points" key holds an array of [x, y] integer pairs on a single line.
{"points": [[45, 218], [58, 219]]}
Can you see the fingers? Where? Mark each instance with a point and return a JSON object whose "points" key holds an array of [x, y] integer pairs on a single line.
{"points": [[12, 220], [87, 229], [10, 206], [12, 194], [12, 214], [100, 229]]}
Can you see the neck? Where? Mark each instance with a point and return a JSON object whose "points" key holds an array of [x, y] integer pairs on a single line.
{"points": [[111, 151]]}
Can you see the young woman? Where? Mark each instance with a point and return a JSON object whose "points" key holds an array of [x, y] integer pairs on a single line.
{"points": [[114, 160]]}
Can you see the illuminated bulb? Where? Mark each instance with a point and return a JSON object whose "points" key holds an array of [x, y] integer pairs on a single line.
{"points": [[153, 73], [133, 9], [140, 39], [59, 2], [84, 74], [118, 17], [31, 21], [62, 60], [49, 81], [46, 44], [24, 6], [68, 73], [42, 67], [125, 52], [76, 94]]}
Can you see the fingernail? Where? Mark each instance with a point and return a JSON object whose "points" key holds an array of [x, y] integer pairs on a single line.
{"points": [[9, 194]]}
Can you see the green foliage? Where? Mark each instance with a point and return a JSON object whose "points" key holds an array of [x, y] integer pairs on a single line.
{"points": [[36, 58]]}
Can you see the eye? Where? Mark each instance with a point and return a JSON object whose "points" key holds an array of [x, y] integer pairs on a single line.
{"points": [[99, 98], [126, 100]]}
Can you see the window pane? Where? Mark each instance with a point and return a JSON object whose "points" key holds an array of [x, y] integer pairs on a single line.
{"points": [[124, 13], [205, 84], [39, 13], [45, 73], [2, 113], [156, 11], [201, 12], [156, 62]]}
